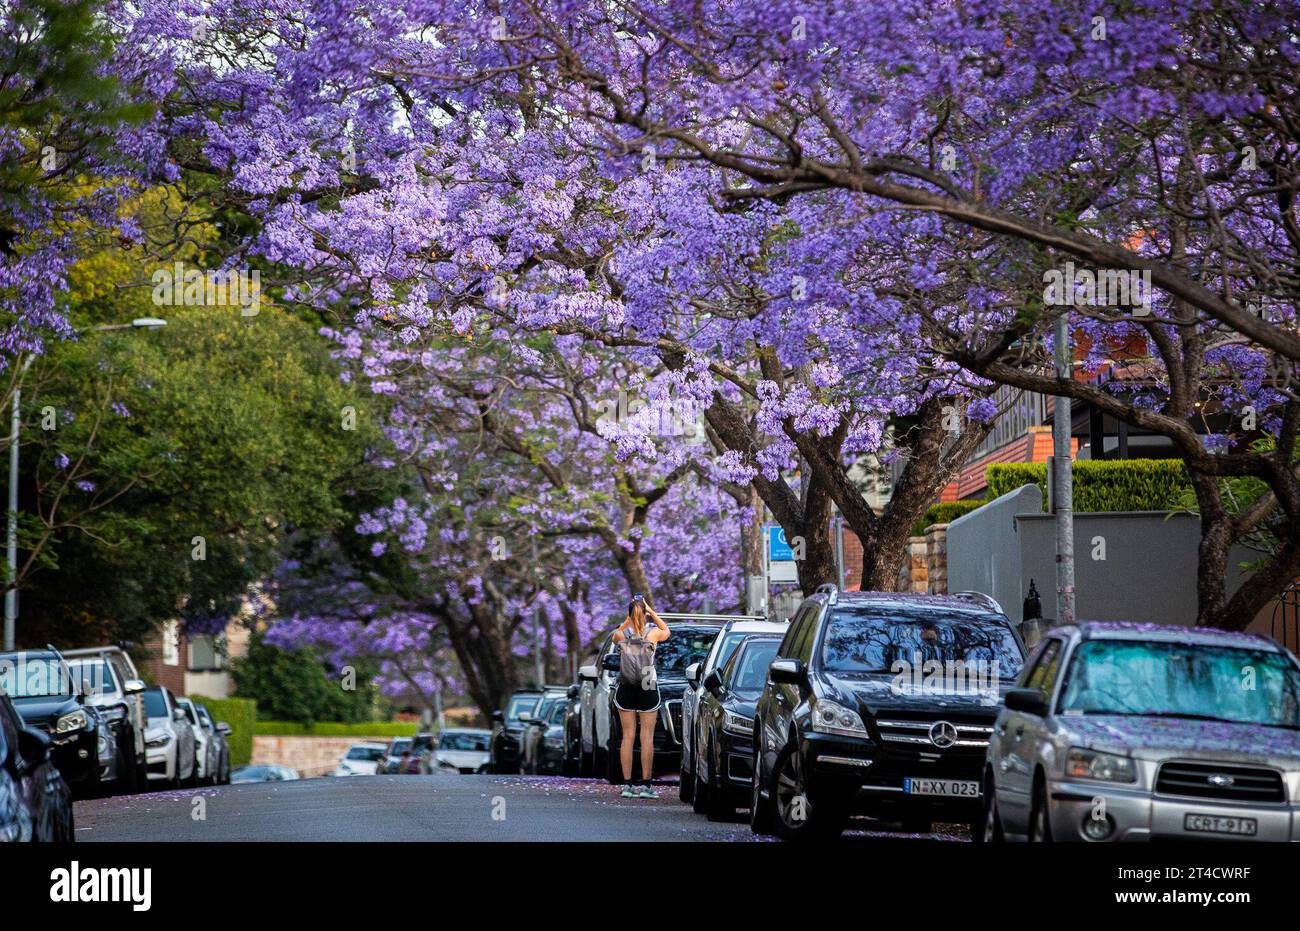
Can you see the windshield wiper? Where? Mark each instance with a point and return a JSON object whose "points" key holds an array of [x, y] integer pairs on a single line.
{"points": [[1189, 716]]}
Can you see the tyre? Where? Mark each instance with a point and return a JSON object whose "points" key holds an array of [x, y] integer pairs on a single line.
{"points": [[585, 768], [719, 807], [760, 809], [699, 792], [598, 755], [686, 785], [613, 763], [797, 815], [987, 829], [1040, 826]]}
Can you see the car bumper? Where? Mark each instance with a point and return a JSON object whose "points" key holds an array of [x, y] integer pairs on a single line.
{"points": [[160, 763], [874, 777], [1131, 813]]}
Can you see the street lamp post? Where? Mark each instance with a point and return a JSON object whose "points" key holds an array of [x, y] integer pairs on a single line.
{"points": [[15, 426]]}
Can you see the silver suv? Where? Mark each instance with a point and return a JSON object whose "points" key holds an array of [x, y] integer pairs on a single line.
{"points": [[1139, 731]]}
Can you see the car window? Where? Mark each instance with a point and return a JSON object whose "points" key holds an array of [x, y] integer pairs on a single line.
{"points": [[369, 754], [155, 705], [1043, 674], [477, 742], [726, 647], [885, 639], [786, 650], [520, 705], [27, 676], [803, 648], [747, 672], [95, 676]]}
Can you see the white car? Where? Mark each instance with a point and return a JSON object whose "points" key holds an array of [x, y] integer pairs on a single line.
{"points": [[169, 739], [731, 637], [361, 760], [463, 750], [205, 748]]}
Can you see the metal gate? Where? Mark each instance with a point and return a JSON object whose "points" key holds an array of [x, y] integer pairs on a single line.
{"points": [[1286, 618]]}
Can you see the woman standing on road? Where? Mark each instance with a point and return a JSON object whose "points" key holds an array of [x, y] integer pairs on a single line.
{"points": [[637, 695]]}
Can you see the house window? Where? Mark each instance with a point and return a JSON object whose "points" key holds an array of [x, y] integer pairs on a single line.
{"points": [[205, 653], [171, 647]]}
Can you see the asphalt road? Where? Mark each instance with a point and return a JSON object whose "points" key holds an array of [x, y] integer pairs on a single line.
{"points": [[417, 808]]}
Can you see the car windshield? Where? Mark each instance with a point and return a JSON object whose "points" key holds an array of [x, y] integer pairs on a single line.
{"points": [[553, 711], [398, 747], [95, 674], [878, 640], [34, 676], [730, 641], [369, 754], [749, 671], [685, 646], [477, 742], [155, 705], [520, 705], [1194, 680]]}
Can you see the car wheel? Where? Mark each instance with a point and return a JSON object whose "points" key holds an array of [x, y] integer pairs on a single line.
{"points": [[598, 758], [1040, 827], [719, 806], [699, 792], [760, 809], [987, 829], [798, 816]]}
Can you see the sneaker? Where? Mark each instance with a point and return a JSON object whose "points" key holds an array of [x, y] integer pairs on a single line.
{"points": [[629, 791], [647, 791]]}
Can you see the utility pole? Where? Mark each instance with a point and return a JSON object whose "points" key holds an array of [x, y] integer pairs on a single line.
{"points": [[1062, 484], [537, 630]]}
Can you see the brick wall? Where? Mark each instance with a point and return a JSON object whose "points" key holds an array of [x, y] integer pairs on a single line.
{"points": [[157, 666]]}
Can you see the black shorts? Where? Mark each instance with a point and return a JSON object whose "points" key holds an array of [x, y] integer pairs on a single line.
{"points": [[629, 697]]}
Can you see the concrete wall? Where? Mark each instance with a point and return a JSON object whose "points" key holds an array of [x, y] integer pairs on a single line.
{"points": [[1148, 572], [984, 551]]}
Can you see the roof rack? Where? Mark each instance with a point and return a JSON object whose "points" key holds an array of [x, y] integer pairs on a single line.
{"points": [[688, 615], [987, 601], [828, 588]]}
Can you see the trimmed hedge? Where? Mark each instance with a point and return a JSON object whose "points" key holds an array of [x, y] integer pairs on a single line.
{"points": [[241, 715], [337, 729], [1109, 485], [945, 512]]}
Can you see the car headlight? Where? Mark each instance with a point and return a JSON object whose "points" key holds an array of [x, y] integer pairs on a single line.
{"points": [[828, 717], [1105, 767], [72, 721], [161, 740], [738, 724]]}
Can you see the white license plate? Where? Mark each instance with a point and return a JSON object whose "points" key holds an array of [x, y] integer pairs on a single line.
{"points": [[1213, 824], [952, 788]]}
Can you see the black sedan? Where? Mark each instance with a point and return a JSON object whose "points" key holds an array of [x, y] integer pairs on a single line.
{"points": [[724, 750], [35, 802], [48, 700], [508, 731]]}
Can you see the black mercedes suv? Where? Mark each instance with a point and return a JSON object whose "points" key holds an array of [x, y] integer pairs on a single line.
{"points": [[880, 703]]}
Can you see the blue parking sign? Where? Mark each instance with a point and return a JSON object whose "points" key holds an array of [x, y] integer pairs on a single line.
{"points": [[778, 550]]}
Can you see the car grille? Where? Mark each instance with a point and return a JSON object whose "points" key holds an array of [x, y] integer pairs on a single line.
{"points": [[916, 733], [1221, 782], [673, 720]]}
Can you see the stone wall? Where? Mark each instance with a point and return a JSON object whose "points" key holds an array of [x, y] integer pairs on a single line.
{"points": [[936, 560], [311, 756]]}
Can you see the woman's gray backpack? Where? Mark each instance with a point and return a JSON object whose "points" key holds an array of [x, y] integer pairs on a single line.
{"points": [[636, 663]]}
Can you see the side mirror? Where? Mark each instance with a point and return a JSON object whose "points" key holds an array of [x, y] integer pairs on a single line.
{"points": [[611, 662], [224, 729], [786, 671], [178, 715], [133, 686], [693, 673], [573, 691], [33, 746], [498, 716], [588, 673], [1029, 701], [713, 681]]}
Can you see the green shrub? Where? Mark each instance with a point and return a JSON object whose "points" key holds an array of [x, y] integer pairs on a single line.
{"points": [[241, 715], [1109, 485], [945, 512], [337, 729]]}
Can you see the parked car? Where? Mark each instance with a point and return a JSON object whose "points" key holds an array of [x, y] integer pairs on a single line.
{"points": [[397, 748], [269, 772], [572, 729], [881, 704], [464, 750], [169, 740], [508, 730], [543, 740], [218, 732], [118, 694], [1144, 732], [205, 748], [48, 698], [691, 640], [361, 759], [725, 733], [119, 704], [35, 801], [733, 632]]}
